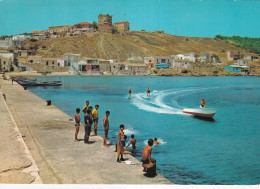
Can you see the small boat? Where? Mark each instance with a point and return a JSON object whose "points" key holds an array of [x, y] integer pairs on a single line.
{"points": [[200, 112], [38, 83]]}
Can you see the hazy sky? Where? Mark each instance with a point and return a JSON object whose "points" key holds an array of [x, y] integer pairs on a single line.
{"points": [[197, 18]]}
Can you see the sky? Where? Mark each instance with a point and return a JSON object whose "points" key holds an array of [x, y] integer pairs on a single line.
{"points": [[191, 18]]}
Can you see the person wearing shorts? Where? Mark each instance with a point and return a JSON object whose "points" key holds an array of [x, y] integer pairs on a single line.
{"points": [[95, 118], [77, 124], [106, 127]]}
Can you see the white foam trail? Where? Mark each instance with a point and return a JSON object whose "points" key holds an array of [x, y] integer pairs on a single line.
{"points": [[129, 131], [155, 103], [161, 141]]}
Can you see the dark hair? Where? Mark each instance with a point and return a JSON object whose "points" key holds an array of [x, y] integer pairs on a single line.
{"points": [[150, 142], [77, 110], [107, 112], [90, 107], [155, 139], [132, 136], [88, 111], [97, 105], [121, 126], [87, 101]]}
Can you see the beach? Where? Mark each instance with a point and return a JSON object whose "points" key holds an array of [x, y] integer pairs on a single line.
{"points": [[48, 133]]}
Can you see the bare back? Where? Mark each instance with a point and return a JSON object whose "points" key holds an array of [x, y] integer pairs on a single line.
{"points": [[147, 152]]}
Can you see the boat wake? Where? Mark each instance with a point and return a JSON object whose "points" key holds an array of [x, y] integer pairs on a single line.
{"points": [[156, 102]]}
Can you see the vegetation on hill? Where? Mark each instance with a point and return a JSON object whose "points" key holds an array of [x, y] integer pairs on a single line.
{"points": [[247, 43]]}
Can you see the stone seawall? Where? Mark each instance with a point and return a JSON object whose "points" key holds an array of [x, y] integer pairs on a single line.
{"points": [[49, 135]]}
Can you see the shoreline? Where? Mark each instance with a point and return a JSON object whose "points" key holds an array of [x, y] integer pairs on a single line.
{"points": [[31, 74], [49, 135]]}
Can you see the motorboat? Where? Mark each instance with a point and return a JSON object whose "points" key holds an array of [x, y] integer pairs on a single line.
{"points": [[200, 112]]}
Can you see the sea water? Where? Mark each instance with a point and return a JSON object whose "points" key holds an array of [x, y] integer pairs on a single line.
{"points": [[225, 150]]}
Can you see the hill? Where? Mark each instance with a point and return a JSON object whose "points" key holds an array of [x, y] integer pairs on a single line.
{"points": [[121, 46]]}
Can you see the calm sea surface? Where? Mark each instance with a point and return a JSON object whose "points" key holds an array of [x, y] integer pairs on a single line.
{"points": [[192, 151]]}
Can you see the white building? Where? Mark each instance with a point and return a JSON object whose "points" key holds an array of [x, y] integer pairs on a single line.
{"points": [[188, 56], [19, 37]]}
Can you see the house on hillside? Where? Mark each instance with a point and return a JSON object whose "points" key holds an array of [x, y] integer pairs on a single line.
{"points": [[188, 56], [158, 61], [250, 57], [104, 65], [214, 58], [236, 68], [182, 64], [89, 65], [234, 55], [34, 59], [70, 58], [20, 37], [60, 62], [122, 26], [204, 57], [6, 61], [50, 62], [59, 29], [243, 62], [125, 67], [93, 65], [83, 27]]}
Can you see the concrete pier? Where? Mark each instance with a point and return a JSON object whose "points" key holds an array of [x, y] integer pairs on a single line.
{"points": [[53, 156]]}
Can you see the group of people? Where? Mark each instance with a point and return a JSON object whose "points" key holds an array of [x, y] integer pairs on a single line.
{"points": [[148, 91], [90, 117]]}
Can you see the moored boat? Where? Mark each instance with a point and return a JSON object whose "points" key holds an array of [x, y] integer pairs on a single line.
{"points": [[39, 83], [201, 112]]}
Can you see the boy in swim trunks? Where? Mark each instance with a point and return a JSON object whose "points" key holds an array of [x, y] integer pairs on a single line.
{"points": [[132, 141], [147, 152], [121, 143], [95, 118], [77, 124], [106, 127], [85, 108]]}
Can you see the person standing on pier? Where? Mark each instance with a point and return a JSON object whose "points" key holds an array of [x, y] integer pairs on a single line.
{"points": [[121, 143], [88, 123], [77, 124], [106, 127], [95, 118], [85, 108], [148, 91]]}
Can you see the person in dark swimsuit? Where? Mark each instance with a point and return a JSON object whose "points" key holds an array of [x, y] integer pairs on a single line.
{"points": [[130, 93], [148, 91], [77, 124], [121, 143], [132, 141]]}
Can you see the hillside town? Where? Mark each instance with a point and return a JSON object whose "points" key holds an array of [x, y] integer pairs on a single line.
{"points": [[14, 58]]}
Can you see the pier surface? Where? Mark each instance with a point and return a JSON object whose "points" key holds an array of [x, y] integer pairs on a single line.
{"points": [[37, 146]]}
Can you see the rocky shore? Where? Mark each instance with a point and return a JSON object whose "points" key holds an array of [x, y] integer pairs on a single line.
{"points": [[48, 134]]}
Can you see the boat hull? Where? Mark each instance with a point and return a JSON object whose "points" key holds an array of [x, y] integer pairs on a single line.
{"points": [[201, 112]]}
